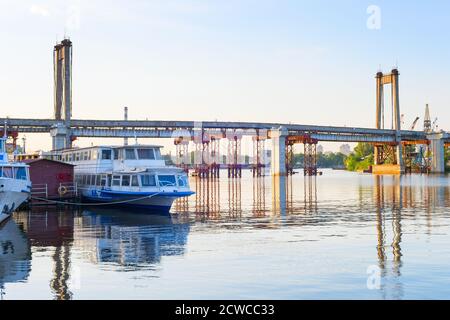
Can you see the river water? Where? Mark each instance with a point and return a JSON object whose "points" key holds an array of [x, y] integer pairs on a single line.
{"points": [[337, 236]]}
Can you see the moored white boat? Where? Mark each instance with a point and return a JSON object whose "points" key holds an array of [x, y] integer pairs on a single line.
{"points": [[15, 184], [135, 176]]}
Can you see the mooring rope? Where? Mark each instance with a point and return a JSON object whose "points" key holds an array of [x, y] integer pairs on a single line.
{"points": [[94, 204]]}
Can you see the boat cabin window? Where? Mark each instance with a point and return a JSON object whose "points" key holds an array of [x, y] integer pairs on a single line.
{"points": [[182, 181], [167, 180], [115, 180], [116, 154], [146, 154], [134, 181], [148, 180], [125, 181], [157, 154], [130, 154], [21, 173], [106, 154], [6, 172], [103, 181]]}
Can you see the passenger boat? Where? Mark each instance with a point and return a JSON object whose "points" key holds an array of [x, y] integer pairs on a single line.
{"points": [[134, 176], [15, 184]]}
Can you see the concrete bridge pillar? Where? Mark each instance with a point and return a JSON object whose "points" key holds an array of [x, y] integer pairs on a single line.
{"points": [[278, 163], [60, 137], [437, 149]]}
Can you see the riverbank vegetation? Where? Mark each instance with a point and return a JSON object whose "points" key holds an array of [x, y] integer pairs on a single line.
{"points": [[334, 160], [361, 158]]}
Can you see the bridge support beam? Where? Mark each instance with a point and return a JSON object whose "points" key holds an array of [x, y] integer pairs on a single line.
{"points": [[61, 138], [437, 148], [182, 157], [234, 157], [278, 163], [258, 156]]}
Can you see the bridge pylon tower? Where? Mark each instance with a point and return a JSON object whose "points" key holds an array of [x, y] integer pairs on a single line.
{"points": [[388, 153], [62, 73]]}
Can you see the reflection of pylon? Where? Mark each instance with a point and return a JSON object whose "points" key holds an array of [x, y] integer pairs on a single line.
{"points": [[289, 195], [389, 195], [310, 190], [182, 205], [207, 197], [259, 196], [234, 197]]}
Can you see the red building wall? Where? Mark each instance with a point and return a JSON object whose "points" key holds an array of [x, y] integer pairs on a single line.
{"points": [[52, 173]]}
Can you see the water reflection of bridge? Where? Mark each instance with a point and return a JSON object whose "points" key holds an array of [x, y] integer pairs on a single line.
{"points": [[397, 197], [123, 239], [222, 198]]}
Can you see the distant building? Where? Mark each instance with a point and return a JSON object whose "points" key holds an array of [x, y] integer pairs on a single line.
{"points": [[319, 149], [345, 149]]}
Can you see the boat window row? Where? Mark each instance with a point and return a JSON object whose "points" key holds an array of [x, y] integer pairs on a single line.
{"points": [[132, 180], [13, 172], [113, 154]]}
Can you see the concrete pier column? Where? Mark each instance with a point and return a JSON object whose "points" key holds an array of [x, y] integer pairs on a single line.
{"points": [[278, 165], [60, 137], [437, 152]]}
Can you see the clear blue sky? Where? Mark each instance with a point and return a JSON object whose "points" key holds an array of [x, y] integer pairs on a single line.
{"points": [[310, 62]]}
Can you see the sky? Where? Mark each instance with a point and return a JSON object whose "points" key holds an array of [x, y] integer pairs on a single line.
{"points": [[305, 62]]}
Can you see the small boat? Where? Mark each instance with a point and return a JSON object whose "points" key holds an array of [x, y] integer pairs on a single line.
{"points": [[15, 184], [130, 175]]}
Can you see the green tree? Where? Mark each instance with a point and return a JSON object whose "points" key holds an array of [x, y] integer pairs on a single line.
{"points": [[361, 158]]}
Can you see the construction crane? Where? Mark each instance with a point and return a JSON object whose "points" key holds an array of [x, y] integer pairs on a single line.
{"points": [[414, 123], [434, 125]]}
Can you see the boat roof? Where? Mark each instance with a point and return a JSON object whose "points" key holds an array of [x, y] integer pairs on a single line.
{"points": [[115, 147], [29, 161]]}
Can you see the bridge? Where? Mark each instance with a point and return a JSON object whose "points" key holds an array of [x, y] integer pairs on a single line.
{"points": [[389, 143]]}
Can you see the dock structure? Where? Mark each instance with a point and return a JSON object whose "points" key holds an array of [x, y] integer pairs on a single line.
{"points": [[208, 135]]}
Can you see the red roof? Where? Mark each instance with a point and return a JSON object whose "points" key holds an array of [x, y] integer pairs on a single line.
{"points": [[29, 161]]}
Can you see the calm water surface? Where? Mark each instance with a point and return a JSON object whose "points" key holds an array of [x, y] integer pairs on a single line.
{"points": [[340, 235]]}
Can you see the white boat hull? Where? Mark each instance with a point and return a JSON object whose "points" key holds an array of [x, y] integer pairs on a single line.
{"points": [[12, 194], [157, 201]]}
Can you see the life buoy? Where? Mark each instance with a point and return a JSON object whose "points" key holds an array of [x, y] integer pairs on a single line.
{"points": [[62, 190]]}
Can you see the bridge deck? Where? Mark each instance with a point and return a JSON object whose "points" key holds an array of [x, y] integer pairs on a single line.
{"points": [[166, 129]]}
